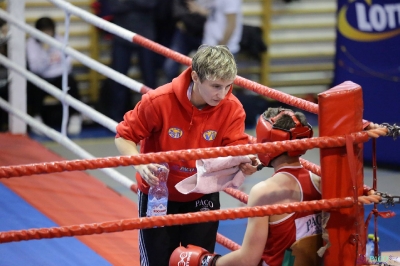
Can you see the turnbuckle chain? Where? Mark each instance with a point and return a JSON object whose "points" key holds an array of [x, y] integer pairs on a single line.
{"points": [[393, 130], [388, 200]]}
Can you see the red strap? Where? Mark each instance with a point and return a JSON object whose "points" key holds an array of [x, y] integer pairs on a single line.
{"points": [[385, 214], [350, 157], [365, 124], [366, 189]]}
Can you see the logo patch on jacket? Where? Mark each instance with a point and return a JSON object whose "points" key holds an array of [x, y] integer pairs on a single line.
{"points": [[209, 135], [175, 132]]}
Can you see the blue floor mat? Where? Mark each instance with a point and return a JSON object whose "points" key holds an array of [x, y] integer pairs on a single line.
{"points": [[17, 214]]}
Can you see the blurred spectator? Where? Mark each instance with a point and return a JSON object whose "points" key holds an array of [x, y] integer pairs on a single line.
{"points": [[165, 27], [212, 22], [252, 43], [224, 24], [137, 16], [190, 16], [46, 62]]}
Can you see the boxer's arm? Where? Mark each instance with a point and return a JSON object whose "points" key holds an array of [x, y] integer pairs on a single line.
{"points": [[257, 229]]}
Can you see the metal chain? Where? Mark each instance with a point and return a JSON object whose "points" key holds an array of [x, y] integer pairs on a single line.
{"points": [[393, 130], [388, 200]]}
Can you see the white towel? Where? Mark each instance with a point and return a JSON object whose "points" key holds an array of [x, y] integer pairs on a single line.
{"points": [[214, 175]]}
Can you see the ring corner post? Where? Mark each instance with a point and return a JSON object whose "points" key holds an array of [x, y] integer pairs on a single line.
{"points": [[341, 113], [17, 89]]}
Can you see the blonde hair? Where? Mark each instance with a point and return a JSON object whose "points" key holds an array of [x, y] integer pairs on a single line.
{"points": [[213, 63]]}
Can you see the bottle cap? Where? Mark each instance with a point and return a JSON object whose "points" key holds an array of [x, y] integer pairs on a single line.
{"points": [[372, 237]]}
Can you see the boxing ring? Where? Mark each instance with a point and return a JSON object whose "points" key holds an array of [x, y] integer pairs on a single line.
{"points": [[340, 142]]}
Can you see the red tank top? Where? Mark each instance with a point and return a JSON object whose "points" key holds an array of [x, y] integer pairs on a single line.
{"points": [[282, 234]]}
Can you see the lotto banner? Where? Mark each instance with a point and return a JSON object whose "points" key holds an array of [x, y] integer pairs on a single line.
{"points": [[368, 53]]}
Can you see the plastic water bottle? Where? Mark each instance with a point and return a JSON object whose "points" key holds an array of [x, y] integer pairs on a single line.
{"points": [[370, 248], [158, 195]]}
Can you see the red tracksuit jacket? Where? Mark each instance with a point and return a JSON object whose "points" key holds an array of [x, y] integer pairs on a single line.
{"points": [[165, 120]]}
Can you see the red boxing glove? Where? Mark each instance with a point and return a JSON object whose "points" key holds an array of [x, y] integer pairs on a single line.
{"points": [[193, 256]]}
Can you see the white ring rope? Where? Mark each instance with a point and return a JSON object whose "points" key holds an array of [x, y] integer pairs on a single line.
{"points": [[55, 135], [60, 95], [78, 105], [65, 141], [95, 20], [89, 62]]}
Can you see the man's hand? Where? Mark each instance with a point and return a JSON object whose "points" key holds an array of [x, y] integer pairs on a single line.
{"points": [[146, 172], [194, 7], [249, 169]]}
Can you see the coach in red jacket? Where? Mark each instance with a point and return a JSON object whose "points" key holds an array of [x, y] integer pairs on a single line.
{"points": [[196, 110]]}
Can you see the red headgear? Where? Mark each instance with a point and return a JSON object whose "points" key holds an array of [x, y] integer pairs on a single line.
{"points": [[266, 131]]}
